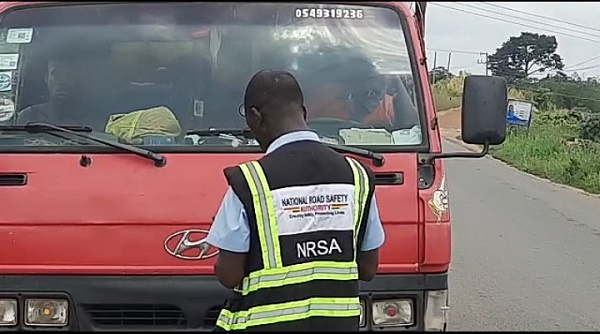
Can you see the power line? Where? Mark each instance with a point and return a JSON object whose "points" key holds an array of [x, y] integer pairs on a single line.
{"points": [[455, 68], [455, 51], [512, 22], [548, 24], [540, 16], [503, 20], [586, 61], [583, 68]]}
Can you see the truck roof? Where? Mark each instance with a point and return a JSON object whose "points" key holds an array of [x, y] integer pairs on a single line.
{"points": [[402, 5]]}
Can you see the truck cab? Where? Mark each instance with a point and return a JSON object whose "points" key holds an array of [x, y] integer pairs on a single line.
{"points": [[117, 120]]}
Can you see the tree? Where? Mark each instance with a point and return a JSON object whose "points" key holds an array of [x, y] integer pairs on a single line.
{"points": [[439, 73], [521, 56]]}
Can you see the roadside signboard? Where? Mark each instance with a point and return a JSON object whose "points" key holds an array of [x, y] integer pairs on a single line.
{"points": [[519, 113]]}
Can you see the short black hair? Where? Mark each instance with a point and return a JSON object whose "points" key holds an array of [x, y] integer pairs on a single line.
{"points": [[273, 89], [331, 65]]}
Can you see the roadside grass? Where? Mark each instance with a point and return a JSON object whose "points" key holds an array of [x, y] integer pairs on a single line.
{"points": [[443, 101], [550, 149], [552, 152], [447, 94]]}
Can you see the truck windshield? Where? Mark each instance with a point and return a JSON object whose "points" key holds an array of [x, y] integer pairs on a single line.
{"points": [[166, 74]]}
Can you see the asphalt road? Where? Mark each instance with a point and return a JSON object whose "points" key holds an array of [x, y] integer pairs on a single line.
{"points": [[526, 252]]}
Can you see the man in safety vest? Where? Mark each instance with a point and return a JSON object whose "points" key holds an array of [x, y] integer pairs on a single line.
{"points": [[297, 228]]}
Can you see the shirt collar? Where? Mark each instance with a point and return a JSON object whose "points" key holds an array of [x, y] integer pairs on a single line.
{"points": [[292, 137]]}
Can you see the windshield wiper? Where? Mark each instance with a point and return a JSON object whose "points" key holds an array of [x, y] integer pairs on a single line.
{"points": [[159, 160], [32, 126], [377, 158], [216, 132]]}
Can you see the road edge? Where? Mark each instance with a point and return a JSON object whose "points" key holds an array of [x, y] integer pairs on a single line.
{"points": [[455, 139]]}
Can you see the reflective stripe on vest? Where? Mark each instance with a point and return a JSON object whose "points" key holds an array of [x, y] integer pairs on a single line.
{"points": [[361, 194], [299, 273], [265, 214], [290, 311]]}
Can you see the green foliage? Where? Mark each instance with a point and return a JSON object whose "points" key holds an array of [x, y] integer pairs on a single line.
{"points": [[589, 129], [523, 55], [568, 120], [452, 86], [563, 143], [564, 93], [443, 101], [447, 93], [439, 73], [551, 151]]}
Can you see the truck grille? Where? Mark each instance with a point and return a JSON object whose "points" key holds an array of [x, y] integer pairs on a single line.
{"points": [[210, 318], [136, 315]]}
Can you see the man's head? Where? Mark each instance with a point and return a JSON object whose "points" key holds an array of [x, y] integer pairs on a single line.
{"points": [[342, 81], [511, 108], [274, 105], [60, 80]]}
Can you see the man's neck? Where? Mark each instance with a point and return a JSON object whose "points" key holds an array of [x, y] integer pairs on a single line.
{"points": [[66, 109], [285, 130]]}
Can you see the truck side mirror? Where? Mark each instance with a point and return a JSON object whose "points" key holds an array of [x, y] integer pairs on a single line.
{"points": [[484, 105], [484, 109]]}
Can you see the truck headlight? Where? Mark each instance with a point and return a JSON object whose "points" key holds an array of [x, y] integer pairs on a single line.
{"points": [[8, 312], [361, 319], [436, 315], [47, 312], [395, 312]]}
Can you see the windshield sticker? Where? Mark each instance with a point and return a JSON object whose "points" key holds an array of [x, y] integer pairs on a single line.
{"points": [[355, 136], [9, 61], [6, 81], [439, 201], [329, 140], [199, 108], [19, 36], [214, 45], [7, 109]]}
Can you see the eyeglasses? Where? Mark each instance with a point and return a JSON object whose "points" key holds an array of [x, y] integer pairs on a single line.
{"points": [[242, 110]]}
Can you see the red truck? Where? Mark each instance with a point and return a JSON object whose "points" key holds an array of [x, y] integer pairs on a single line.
{"points": [[104, 218]]}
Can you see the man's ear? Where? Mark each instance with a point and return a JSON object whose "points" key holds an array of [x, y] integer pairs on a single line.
{"points": [[254, 115]]}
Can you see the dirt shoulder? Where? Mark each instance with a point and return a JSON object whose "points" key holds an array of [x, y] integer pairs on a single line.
{"points": [[449, 121]]}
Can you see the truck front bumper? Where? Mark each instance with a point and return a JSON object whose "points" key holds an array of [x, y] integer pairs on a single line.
{"points": [[189, 303]]}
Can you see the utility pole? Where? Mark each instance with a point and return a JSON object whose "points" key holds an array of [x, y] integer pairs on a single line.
{"points": [[484, 61], [449, 57], [434, 65]]}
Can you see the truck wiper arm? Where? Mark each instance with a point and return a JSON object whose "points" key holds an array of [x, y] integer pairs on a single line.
{"points": [[32, 126], [377, 158], [216, 132], [159, 160]]}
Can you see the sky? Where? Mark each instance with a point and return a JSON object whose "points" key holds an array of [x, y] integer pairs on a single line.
{"points": [[468, 34]]}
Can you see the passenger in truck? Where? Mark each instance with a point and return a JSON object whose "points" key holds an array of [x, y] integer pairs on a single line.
{"points": [[358, 95], [67, 104]]}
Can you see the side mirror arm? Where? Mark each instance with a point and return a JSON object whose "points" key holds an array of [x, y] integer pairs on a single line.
{"points": [[427, 159]]}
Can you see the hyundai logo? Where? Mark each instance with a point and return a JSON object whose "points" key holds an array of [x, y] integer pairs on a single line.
{"points": [[5, 81], [190, 245]]}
